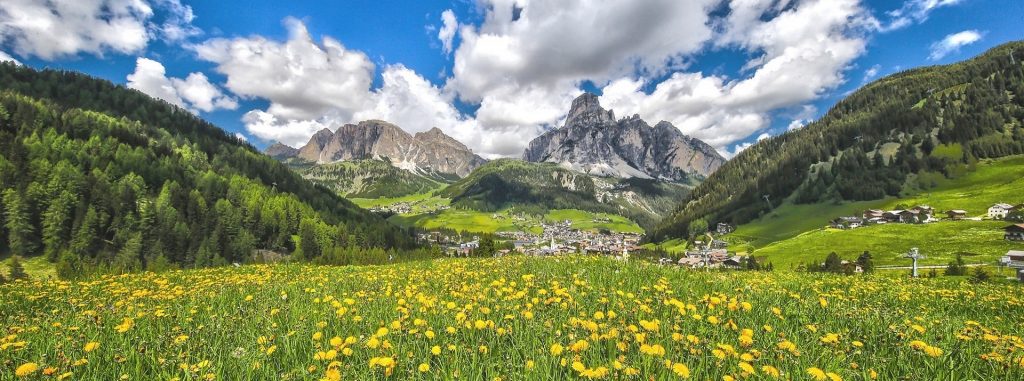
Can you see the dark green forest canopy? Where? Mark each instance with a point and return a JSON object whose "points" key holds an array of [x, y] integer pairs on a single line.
{"points": [[97, 175], [931, 121]]}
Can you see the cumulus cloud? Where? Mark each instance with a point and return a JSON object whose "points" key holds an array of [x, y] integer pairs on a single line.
{"points": [[447, 32], [952, 43], [915, 11], [312, 86], [524, 64], [58, 28], [805, 50], [303, 80], [195, 92]]}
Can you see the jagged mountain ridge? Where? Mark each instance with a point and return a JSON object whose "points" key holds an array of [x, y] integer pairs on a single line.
{"points": [[592, 141], [426, 152]]}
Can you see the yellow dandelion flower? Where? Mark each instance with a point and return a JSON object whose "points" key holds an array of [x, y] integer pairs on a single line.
{"points": [[771, 371], [26, 369], [556, 349], [681, 370], [91, 346], [817, 374]]}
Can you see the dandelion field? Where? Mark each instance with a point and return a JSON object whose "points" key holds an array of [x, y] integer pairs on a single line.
{"points": [[511, 318]]}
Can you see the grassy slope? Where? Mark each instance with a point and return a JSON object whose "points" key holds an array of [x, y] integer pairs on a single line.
{"points": [[994, 181], [484, 222], [418, 201], [35, 267], [979, 242], [794, 233], [790, 220]]}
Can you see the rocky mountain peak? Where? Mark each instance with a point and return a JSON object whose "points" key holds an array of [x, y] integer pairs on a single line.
{"points": [[427, 152], [436, 136], [280, 151], [586, 109], [592, 141]]}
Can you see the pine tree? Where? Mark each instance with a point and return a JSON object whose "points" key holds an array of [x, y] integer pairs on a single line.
{"points": [[19, 228], [56, 221], [127, 259]]}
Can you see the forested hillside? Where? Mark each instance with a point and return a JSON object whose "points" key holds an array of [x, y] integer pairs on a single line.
{"points": [[99, 177], [899, 134], [537, 188]]}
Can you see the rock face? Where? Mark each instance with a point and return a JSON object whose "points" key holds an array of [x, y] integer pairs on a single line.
{"points": [[594, 142], [280, 151], [426, 152]]}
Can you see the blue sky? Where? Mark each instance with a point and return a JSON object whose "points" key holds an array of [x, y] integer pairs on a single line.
{"points": [[512, 66]]}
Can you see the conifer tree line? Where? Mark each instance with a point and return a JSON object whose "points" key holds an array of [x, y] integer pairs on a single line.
{"points": [[97, 177], [933, 122]]}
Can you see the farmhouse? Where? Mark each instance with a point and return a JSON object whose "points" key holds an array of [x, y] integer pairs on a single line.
{"points": [[1014, 232], [1014, 259], [999, 211], [956, 214], [873, 214], [847, 223]]}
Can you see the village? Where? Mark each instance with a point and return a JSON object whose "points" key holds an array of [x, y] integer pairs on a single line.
{"points": [[561, 238], [924, 214]]}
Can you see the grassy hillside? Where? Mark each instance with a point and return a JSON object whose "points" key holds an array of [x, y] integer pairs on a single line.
{"points": [[793, 234], [993, 181], [474, 319], [978, 242], [538, 188], [898, 135], [510, 220]]}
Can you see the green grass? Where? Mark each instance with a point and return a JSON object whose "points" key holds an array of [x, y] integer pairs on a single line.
{"points": [[994, 181], [36, 267], [497, 318], [584, 220], [978, 241], [790, 220], [419, 201], [506, 221], [795, 233]]}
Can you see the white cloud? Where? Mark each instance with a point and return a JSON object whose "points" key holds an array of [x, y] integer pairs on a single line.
{"points": [[952, 43], [240, 136], [302, 79], [805, 50], [194, 93], [871, 72], [915, 11], [528, 59], [447, 32], [197, 90], [523, 65], [7, 57], [58, 28]]}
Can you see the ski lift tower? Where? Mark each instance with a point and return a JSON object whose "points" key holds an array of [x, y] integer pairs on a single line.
{"points": [[914, 254]]}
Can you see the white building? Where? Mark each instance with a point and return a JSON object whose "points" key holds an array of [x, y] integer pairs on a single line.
{"points": [[999, 211]]}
